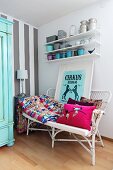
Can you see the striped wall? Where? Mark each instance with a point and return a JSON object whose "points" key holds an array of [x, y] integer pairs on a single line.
{"points": [[25, 55]]}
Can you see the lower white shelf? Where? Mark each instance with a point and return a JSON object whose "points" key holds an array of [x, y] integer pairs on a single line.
{"points": [[85, 56]]}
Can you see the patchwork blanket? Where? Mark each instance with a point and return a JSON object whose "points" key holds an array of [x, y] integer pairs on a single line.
{"points": [[42, 108]]}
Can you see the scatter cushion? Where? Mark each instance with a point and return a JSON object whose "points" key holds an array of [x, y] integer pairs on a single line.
{"points": [[97, 103], [77, 115], [72, 101]]}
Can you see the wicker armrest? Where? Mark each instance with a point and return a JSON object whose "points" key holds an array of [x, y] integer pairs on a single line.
{"points": [[97, 115]]}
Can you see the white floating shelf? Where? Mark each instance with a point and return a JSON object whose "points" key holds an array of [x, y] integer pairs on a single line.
{"points": [[90, 33], [95, 43], [85, 56]]}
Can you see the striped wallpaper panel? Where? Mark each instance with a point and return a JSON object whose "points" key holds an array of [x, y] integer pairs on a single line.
{"points": [[25, 51], [31, 59], [36, 61], [16, 55], [26, 38]]}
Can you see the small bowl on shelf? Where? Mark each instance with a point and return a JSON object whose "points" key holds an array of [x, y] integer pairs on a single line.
{"points": [[57, 56]]}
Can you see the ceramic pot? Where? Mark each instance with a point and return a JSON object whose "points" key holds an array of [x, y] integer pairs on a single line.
{"points": [[83, 26], [72, 31], [92, 24]]}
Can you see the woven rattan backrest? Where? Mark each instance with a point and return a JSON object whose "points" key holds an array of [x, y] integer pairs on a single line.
{"points": [[105, 96]]}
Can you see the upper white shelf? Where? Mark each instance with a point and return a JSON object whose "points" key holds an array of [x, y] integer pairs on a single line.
{"points": [[90, 33]]}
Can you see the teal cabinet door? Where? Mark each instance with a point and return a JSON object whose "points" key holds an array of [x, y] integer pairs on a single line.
{"points": [[10, 91], [3, 81], [6, 97]]}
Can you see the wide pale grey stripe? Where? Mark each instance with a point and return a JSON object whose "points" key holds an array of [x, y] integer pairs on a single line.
{"points": [[26, 41], [36, 61], [31, 60], [16, 54]]}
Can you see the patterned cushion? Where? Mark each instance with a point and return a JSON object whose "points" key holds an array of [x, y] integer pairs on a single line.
{"points": [[97, 103]]}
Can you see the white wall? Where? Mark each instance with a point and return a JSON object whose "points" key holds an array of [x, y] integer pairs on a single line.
{"points": [[48, 72]]}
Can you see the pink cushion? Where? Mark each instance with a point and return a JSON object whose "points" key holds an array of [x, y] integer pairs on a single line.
{"points": [[81, 117]]}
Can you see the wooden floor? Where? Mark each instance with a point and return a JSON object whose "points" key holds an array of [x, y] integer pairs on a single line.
{"points": [[34, 152]]}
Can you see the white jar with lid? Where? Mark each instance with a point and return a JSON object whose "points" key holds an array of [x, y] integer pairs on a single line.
{"points": [[92, 24], [72, 31], [83, 26]]}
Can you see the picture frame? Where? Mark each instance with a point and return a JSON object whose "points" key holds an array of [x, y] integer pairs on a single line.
{"points": [[74, 81]]}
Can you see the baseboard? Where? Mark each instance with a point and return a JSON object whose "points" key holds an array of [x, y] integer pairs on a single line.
{"points": [[106, 138]]}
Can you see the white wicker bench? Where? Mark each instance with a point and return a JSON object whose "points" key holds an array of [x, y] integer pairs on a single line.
{"points": [[88, 136]]}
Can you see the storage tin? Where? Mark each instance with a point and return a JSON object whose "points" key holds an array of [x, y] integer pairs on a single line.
{"points": [[51, 38], [69, 53], [49, 57], [63, 55], [49, 48], [80, 51], [57, 56]]}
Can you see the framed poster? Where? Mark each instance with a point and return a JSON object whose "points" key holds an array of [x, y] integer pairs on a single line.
{"points": [[74, 80]]}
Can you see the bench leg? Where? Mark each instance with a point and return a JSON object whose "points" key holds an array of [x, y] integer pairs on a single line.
{"points": [[53, 138], [100, 138], [93, 150], [28, 127]]}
